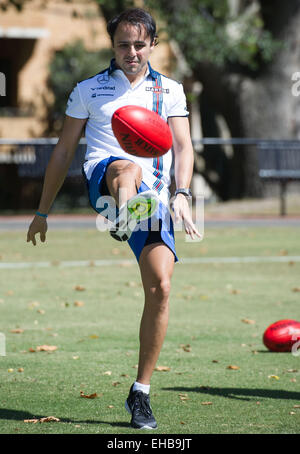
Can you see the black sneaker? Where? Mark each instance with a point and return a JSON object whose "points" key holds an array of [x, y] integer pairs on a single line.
{"points": [[138, 405]]}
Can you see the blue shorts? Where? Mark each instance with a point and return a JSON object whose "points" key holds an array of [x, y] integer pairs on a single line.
{"points": [[158, 228]]}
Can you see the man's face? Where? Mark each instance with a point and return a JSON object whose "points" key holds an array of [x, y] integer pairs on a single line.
{"points": [[132, 48]]}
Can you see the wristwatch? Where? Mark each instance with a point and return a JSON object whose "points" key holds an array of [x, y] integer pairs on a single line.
{"points": [[185, 191]]}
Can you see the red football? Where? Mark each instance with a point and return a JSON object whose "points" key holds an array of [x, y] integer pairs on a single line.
{"points": [[281, 335], [141, 132]]}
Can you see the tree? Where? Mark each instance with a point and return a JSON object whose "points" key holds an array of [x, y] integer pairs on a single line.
{"points": [[243, 53], [17, 4], [110, 8], [229, 46]]}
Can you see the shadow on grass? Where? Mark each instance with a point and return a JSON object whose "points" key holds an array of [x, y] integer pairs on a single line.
{"points": [[239, 393], [20, 415]]}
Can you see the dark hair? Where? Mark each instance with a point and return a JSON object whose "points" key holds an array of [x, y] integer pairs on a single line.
{"points": [[133, 16]]}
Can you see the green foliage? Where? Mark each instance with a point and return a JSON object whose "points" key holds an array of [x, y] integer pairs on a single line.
{"points": [[110, 8], [208, 31], [17, 4], [68, 66]]}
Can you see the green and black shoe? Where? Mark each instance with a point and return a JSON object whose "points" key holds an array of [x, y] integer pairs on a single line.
{"points": [[139, 208]]}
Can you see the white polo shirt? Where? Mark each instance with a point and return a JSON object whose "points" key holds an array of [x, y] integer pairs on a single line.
{"points": [[98, 97]]}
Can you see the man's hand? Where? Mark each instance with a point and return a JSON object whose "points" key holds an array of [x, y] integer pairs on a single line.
{"points": [[182, 212], [38, 225]]}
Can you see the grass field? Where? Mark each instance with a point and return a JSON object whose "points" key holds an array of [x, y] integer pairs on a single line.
{"points": [[91, 315]]}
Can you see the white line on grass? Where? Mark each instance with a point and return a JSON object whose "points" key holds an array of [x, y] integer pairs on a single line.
{"points": [[183, 261]]}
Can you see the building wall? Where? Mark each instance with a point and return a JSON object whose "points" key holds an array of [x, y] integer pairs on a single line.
{"points": [[57, 23]]}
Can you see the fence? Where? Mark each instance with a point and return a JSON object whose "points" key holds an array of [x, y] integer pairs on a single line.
{"points": [[26, 161], [22, 168]]}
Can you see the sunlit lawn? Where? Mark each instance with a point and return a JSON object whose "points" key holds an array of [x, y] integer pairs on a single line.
{"points": [[91, 315]]}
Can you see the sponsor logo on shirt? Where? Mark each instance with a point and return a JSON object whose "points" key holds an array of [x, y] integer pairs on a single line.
{"points": [[103, 91], [103, 78], [107, 87], [158, 89]]}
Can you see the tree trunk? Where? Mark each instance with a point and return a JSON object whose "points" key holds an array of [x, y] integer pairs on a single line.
{"points": [[268, 107], [220, 98], [114, 7], [258, 105], [267, 102]]}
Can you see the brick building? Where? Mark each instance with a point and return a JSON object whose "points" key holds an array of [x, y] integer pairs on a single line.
{"points": [[28, 40]]}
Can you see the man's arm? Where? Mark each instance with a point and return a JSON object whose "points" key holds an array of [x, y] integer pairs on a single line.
{"points": [[56, 172], [183, 167]]}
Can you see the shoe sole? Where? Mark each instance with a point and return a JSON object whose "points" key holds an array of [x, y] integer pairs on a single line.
{"points": [[143, 427], [140, 209]]}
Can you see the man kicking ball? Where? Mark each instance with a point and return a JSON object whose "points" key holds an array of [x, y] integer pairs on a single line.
{"points": [[110, 171]]}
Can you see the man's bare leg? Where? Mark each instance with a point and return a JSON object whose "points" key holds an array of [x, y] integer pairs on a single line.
{"points": [[123, 178], [156, 263], [156, 266]]}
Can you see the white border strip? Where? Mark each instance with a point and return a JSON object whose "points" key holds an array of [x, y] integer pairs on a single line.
{"points": [[24, 32], [183, 261], [258, 259]]}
